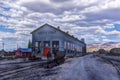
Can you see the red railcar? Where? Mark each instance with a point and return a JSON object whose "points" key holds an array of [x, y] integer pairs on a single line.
{"points": [[23, 52]]}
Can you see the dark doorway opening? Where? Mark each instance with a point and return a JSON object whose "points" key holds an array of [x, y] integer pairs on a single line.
{"points": [[55, 47]]}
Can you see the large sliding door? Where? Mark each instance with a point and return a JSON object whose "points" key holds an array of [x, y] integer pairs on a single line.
{"points": [[37, 48], [46, 50], [55, 46]]}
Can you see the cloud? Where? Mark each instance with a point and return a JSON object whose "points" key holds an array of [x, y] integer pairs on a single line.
{"points": [[113, 33], [105, 14], [110, 26], [69, 18], [39, 6], [89, 19], [106, 40], [60, 1]]}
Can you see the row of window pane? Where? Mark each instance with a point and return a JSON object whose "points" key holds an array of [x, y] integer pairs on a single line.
{"points": [[71, 46], [55, 44]]}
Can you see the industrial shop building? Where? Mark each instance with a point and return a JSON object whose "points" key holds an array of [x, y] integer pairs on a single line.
{"points": [[48, 39]]}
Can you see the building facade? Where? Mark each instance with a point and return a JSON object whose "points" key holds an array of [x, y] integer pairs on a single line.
{"points": [[48, 40], [23, 52]]}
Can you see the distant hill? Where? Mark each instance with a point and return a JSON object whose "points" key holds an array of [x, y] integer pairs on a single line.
{"points": [[103, 45]]}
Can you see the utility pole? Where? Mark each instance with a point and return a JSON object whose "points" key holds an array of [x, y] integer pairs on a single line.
{"points": [[17, 45], [3, 45]]}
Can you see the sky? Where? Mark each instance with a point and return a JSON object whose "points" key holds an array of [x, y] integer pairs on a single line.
{"points": [[95, 20]]}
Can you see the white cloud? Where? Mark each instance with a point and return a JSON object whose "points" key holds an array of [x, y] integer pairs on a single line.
{"points": [[84, 2], [109, 26], [80, 17], [113, 33], [104, 37], [106, 40], [69, 18], [102, 5]]}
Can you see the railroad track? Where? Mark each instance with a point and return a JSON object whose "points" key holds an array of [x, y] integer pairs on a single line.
{"points": [[19, 62], [115, 64], [8, 67], [6, 75]]}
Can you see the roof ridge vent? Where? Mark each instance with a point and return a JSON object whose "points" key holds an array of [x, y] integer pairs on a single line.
{"points": [[58, 27], [67, 32]]}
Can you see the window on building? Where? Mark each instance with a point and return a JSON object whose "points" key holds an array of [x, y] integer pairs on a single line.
{"points": [[39, 44], [36, 44], [68, 46], [65, 45], [80, 49], [73, 47], [46, 43], [39, 47], [55, 46]]}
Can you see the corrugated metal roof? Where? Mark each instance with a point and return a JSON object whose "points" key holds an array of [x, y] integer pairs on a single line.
{"points": [[60, 31], [25, 49]]}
